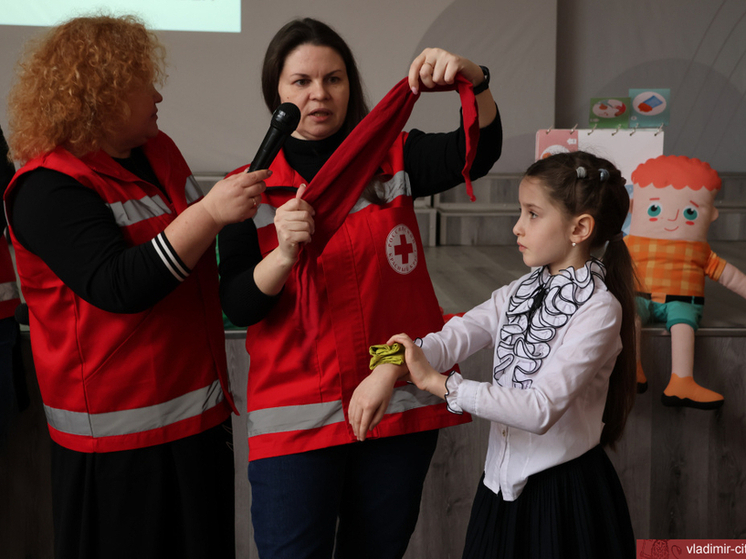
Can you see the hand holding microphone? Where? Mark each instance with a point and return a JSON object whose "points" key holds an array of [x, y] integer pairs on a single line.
{"points": [[294, 219], [284, 121], [237, 197]]}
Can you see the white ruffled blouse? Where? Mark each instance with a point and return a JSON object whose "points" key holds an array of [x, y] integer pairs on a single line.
{"points": [[555, 340]]}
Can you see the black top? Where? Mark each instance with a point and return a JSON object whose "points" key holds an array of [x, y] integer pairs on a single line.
{"points": [[434, 163], [70, 227], [7, 170]]}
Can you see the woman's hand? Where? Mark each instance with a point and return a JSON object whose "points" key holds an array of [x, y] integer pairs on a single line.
{"points": [[439, 67], [235, 198], [294, 225], [421, 373], [230, 200], [371, 398]]}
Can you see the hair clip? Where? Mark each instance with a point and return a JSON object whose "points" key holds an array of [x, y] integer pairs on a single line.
{"points": [[603, 175], [581, 172]]}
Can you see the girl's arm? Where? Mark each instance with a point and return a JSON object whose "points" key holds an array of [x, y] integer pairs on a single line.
{"points": [[582, 361], [423, 375], [371, 398]]}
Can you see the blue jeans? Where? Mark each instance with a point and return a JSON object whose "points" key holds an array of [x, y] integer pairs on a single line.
{"points": [[372, 488]]}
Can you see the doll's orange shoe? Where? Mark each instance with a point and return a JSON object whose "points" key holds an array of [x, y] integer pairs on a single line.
{"points": [[642, 380], [684, 392]]}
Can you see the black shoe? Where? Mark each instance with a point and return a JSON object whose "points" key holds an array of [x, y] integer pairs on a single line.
{"points": [[676, 402]]}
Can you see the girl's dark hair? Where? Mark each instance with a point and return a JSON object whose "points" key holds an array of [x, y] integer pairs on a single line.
{"points": [[310, 31], [598, 189]]}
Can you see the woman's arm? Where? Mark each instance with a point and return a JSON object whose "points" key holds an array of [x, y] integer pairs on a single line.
{"points": [[231, 200], [434, 161], [249, 284], [74, 232], [243, 302], [439, 67]]}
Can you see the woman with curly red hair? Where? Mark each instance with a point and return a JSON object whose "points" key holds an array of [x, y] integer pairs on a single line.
{"points": [[115, 251]]}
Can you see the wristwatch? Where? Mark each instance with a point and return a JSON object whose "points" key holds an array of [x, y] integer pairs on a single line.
{"points": [[485, 84]]}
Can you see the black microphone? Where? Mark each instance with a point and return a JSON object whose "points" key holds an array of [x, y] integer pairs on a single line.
{"points": [[284, 121]]}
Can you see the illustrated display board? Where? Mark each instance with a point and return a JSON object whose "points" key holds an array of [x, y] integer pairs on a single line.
{"points": [[609, 112], [650, 108], [625, 148]]}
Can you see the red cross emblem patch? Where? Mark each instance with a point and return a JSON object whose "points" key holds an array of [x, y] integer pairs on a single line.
{"points": [[401, 249]]}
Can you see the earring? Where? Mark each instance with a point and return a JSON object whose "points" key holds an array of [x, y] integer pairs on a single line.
{"points": [[573, 244]]}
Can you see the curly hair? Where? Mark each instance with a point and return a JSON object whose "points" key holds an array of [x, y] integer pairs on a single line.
{"points": [[72, 83]]}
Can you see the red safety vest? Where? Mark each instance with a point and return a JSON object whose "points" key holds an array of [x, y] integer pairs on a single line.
{"points": [[372, 282], [112, 381]]}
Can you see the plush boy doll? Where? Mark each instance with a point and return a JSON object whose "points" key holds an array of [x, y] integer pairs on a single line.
{"points": [[672, 208]]}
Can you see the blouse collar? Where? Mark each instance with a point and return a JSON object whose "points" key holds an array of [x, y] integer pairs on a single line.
{"points": [[542, 304]]}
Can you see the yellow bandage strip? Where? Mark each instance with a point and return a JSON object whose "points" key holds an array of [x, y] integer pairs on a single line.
{"points": [[383, 353]]}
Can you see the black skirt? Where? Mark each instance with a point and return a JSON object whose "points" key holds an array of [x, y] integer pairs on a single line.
{"points": [[170, 500], [576, 509]]}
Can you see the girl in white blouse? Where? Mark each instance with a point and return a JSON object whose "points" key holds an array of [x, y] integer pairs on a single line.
{"points": [[563, 372]]}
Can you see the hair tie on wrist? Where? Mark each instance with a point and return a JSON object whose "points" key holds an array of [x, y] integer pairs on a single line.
{"points": [[383, 353], [581, 172], [603, 175]]}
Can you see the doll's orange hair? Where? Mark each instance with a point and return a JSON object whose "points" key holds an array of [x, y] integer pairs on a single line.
{"points": [[677, 171]]}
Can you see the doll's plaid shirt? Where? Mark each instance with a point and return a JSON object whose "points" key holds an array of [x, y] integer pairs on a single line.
{"points": [[673, 267]]}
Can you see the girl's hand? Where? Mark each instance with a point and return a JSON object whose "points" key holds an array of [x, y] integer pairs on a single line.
{"points": [[235, 198], [371, 398], [421, 373], [439, 67], [294, 225]]}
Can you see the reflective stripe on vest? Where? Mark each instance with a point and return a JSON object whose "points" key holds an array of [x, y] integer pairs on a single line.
{"points": [[127, 422], [192, 190], [313, 416], [134, 211], [8, 291], [398, 185]]}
